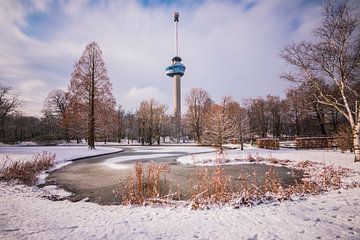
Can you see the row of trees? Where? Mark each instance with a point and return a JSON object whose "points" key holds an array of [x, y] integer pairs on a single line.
{"points": [[205, 121]]}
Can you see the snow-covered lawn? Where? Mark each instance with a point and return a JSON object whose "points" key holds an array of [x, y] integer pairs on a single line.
{"points": [[237, 156], [63, 153], [25, 212]]}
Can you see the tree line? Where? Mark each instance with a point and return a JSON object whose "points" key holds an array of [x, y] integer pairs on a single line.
{"points": [[205, 121]]}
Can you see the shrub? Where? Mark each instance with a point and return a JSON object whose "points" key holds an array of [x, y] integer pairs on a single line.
{"points": [[27, 171], [268, 143], [315, 142]]}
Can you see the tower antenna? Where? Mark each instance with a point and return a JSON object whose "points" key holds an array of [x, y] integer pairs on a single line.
{"points": [[176, 20]]}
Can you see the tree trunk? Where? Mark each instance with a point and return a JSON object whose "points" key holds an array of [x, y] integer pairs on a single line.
{"points": [[320, 118], [241, 142], [91, 141], [356, 132]]}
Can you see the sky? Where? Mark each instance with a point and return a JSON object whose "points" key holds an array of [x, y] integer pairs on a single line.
{"points": [[228, 47]]}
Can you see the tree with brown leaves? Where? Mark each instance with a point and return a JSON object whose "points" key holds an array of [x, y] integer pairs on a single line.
{"points": [[218, 127], [90, 93]]}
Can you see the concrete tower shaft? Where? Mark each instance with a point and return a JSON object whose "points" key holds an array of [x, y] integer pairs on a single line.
{"points": [[176, 71], [177, 96]]}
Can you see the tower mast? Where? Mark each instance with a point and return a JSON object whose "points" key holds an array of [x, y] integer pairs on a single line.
{"points": [[176, 20], [176, 71]]}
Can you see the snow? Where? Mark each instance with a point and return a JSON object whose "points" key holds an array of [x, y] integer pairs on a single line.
{"points": [[327, 157], [155, 152], [63, 153], [25, 213], [181, 149]]}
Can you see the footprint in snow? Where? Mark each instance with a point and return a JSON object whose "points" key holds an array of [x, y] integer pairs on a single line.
{"points": [[254, 237]]}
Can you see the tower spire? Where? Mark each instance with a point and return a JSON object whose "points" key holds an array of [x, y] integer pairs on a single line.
{"points": [[176, 20]]}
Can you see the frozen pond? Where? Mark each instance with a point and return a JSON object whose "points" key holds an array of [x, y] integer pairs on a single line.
{"points": [[97, 178]]}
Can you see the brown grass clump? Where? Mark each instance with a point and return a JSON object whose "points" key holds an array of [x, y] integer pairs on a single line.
{"points": [[27, 171], [215, 187], [142, 188], [210, 187]]}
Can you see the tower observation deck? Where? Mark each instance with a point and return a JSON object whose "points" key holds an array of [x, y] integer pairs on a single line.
{"points": [[176, 70]]}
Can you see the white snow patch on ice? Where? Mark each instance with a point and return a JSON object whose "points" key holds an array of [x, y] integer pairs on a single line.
{"points": [[114, 162], [153, 153], [64, 154]]}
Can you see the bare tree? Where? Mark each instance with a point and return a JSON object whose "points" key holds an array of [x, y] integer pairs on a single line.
{"points": [[9, 102], [120, 122], [258, 116], [90, 90], [131, 127], [331, 66], [150, 116], [56, 105], [297, 111], [218, 127], [238, 117], [198, 106], [275, 107]]}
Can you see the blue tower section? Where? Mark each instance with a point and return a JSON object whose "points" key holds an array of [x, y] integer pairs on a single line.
{"points": [[177, 68]]}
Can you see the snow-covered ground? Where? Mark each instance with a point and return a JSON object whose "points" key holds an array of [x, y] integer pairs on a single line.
{"points": [[63, 153], [26, 213], [237, 156]]}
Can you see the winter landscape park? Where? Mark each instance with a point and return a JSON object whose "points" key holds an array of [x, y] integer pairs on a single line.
{"points": [[160, 119]]}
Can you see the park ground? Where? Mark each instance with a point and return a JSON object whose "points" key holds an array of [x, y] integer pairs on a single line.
{"points": [[27, 213]]}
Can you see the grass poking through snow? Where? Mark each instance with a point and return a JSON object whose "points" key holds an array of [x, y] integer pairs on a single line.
{"points": [[26, 171]]}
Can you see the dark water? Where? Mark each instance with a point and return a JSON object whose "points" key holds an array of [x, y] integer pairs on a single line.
{"points": [[92, 179]]}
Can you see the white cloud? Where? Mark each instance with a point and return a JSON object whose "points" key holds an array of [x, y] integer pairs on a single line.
{"points": [[135, 95], [226, 49]]}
